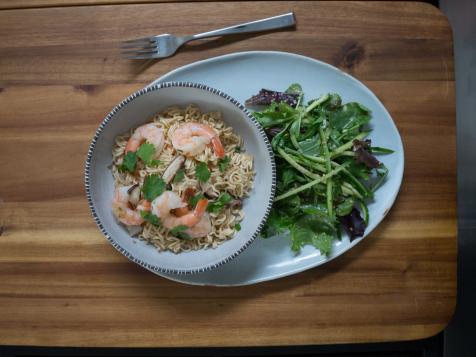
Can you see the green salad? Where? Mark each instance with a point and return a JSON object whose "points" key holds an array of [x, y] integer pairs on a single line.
{"points": [[326, 169]]}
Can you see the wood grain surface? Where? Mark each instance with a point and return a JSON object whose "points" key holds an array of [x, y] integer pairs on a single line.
{"points": [[23, 4], [62, 284]]}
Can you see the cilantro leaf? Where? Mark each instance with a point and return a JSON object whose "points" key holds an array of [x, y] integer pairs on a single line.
{"points": [[179, 232], [154, 163], [153, 187], [151, 218], [177, 229], [217, 206], [179, 176], [237, 227], [238, 149], [223, 163], [201, 172], [145, 152], [194, 200], [129, 162]]}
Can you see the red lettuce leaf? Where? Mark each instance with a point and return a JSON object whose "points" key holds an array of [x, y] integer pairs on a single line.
{"points": [[353, 224], [362, 154], [266, 97]]}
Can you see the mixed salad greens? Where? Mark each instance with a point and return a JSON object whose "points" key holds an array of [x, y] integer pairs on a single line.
{"points": [[327, 171]]}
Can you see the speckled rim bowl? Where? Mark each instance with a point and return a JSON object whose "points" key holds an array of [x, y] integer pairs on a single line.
{"points": [[137, 109]]}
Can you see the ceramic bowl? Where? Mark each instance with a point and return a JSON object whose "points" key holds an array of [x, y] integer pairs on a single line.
{"points": [[137, 109]]}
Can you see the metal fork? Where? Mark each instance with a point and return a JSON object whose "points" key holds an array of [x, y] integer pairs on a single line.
{"points": [[166, 45]]}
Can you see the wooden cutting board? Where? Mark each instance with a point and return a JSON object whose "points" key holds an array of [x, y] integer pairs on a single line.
{"points": [[61, 283]]}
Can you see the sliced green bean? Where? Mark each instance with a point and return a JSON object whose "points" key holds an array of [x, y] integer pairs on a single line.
{"points": [[308, 185], [276, 140], [325, 148], [346, 191], [300, 158], [314, 104], [346, 153], [310, 164], [348, 144], [318, 159], [295, 126], [359, 186], [352, 190], [301, 179], [294, 164]]}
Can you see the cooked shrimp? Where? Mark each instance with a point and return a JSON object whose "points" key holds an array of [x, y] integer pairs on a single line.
{"points": [[121, 207], [202, 228], [186, 196], [192, 138], [168, 201], [147, 132]]}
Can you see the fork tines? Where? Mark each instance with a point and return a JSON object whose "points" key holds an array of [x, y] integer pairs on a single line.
{"points": [[141, 48], [138, 42]]}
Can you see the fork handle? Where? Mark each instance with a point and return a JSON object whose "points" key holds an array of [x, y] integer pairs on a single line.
{"points": [[270, 23]]}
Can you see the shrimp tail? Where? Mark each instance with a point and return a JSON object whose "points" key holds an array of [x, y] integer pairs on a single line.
{"points": [[132, 146], [198, 212], [218, 147], [200, 208], [144, 205], [181, 211]]}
